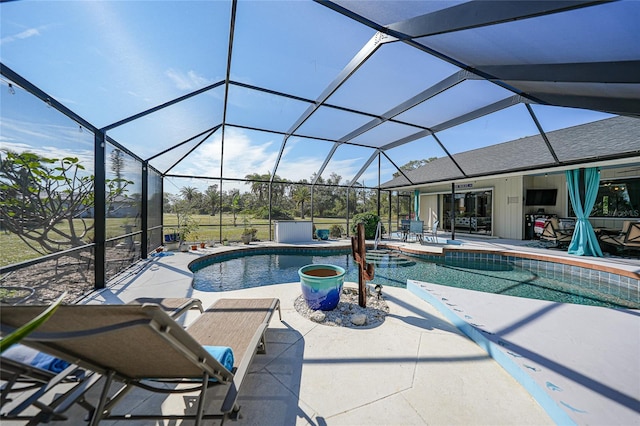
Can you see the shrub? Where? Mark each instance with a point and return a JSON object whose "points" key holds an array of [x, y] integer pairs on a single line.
{"points": [[370, 221], [336, 231]]}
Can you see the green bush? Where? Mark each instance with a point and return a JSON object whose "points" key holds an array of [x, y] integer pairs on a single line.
{"points": [[370, 221], [336, 231]]}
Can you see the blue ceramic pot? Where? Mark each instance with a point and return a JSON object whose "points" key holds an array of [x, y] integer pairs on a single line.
{"points": [[321, 285], [322, 234]]}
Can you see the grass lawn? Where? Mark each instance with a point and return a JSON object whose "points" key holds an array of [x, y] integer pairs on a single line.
{"points": [[209, 228], [14, 250]]}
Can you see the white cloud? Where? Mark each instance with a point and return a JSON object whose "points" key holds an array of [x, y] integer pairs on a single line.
{"points": [[85, 157], [31, 32], [242, 156], [346, 168], [301, 168], [48, 140], [187, 81]]}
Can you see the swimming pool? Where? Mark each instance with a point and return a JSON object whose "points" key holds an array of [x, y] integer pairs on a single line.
{"points": [[501, 275]]}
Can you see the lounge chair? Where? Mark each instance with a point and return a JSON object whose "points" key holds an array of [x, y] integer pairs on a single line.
{"points": [[554, 233], [627, 240], [32, 375], [99, 338], [31, 384]]}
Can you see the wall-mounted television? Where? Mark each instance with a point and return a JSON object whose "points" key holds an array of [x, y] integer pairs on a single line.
{"points": [[541, 197]]}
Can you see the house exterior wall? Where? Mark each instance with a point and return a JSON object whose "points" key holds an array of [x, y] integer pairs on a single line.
{"points": [[555, 181], [509, 200], [429, 210], [508, 216]]}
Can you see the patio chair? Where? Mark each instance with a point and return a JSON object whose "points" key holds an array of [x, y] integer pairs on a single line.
{"points": [[404, 228], [32, 375], [433, 234], [627, 240], [554, 233], [142, 346]]}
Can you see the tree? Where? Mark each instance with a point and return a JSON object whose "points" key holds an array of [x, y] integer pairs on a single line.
{"points": [[189, 193], [234, 204], [168, 200], [301, 195], [259, 185], [117, 164], [370, 221], [211, 196], [186, 224], [48, 202], [414, 164]]}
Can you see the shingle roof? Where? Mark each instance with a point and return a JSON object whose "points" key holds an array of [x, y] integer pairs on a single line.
{"points": [[611, 138]]}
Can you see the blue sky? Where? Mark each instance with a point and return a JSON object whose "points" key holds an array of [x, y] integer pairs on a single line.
{"points": [[107, 61]]}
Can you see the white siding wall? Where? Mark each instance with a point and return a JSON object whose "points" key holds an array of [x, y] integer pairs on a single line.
{"points": [[429, 210], [508, 215]]}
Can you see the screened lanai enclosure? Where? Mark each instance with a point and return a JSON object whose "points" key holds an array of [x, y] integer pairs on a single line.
{"points": [[124, 122]]}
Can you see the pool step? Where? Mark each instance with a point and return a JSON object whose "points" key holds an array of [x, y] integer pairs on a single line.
{"points": [[388, 259]]}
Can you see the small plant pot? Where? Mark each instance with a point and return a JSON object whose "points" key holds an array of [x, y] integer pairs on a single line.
{"points": [[322, 234], [246, 238], [159, 249], [321, 285], [194, 247], [172, 246], [203, 245]]}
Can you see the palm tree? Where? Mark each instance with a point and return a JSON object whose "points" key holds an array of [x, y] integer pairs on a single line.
{"points": [[300, 195], [258, 185], [189, 193]]}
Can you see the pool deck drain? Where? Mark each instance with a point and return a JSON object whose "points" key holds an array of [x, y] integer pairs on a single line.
{"points": [[581, 363]]}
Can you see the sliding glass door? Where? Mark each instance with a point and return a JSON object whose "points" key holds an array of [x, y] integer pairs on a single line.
{"points": [[473, 211]]}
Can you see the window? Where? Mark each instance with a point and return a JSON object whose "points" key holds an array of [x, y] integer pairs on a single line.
{"points": [[616, 198]]}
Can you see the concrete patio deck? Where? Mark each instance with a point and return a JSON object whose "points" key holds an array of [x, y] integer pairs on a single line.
{"points": [[419, 367]]}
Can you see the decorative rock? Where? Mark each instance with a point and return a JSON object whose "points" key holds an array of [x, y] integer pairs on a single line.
{"points": [[317, 316], [374, 314], [358, 319]]}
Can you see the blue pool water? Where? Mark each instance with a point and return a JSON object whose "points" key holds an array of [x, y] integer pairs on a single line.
{"points": [[392, 269]]}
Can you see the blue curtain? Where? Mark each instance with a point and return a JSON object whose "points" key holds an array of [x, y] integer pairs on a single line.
{"points": [[584, 241], [416, 203]]}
